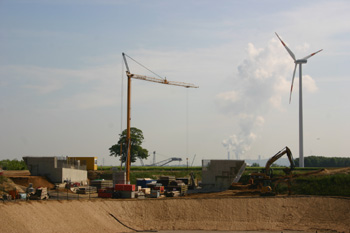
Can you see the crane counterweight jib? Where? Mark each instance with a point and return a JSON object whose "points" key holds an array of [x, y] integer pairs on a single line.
{"points": [[162, 81]]}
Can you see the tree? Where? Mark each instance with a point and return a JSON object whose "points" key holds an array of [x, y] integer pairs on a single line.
{"points": [[321, 161], [136, 151], [13, 164]]}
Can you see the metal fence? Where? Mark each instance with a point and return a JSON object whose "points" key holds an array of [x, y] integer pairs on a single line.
{"points": [[53, 195]]}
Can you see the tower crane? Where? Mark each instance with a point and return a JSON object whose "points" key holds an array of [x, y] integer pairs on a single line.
{"points": [[145, 78]]}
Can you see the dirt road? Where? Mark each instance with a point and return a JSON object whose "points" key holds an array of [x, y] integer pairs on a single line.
{"points": [[230, 214]]}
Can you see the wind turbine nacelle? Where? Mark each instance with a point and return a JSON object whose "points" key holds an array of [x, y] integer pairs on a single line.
{"points": [[301, 61]]}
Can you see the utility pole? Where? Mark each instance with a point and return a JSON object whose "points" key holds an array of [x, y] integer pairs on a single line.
{"points": [[154, 157]]}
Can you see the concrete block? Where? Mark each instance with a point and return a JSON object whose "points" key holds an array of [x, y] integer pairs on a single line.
{"points": [[219, 174]]}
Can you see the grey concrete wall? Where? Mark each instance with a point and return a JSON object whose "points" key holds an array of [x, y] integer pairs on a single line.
{"points": [[54, 169], [219, 174], [74, 175], [39, 166]]}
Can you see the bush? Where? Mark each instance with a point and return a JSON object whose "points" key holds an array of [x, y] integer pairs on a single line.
{"points": [[13, 164]]}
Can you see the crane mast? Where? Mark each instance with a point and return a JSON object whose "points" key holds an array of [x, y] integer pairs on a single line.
{"points": [[145, 78]]}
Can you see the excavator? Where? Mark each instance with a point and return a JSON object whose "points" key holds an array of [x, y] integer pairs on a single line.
{"points": [[262, 181]]}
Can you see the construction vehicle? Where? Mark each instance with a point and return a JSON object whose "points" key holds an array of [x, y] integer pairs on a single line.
{"points": [[262, 181], [39, 194]]}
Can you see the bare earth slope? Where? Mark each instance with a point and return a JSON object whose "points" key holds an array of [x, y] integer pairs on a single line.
{"points": [[234, 214]]}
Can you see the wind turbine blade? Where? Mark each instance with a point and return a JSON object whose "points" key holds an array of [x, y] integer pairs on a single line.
{"points": [[288, 50], [307, 57], [291, 87]]}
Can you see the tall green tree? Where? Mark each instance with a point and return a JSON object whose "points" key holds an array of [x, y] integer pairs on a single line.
{"points": [[136, 151]]}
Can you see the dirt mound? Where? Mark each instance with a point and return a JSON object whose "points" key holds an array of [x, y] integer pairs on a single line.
{"points": [[325, 172], [234, 214], [344, 170], [11, 173], [8, 185], [23, 178], [37, 181]]}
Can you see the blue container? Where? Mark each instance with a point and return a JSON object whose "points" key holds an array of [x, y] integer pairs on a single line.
{"points": [[143, 182]]}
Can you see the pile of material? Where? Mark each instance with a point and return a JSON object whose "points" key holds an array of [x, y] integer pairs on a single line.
{"points": [[102, 183], [166, 186], [86, 190]]}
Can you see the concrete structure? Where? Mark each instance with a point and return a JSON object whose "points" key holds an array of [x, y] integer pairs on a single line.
{"points": [[90, 162], [119, 177], [219, 174], [56, 169]]}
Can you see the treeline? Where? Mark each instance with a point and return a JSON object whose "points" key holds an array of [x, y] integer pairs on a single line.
{"points": [[320, 161], [13, 164]]}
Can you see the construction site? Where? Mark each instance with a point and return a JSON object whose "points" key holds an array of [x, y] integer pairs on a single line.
{"points": [[77, 202], [70, 194]]}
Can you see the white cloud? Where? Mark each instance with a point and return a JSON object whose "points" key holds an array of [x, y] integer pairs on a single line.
{"points": [[260, 85]]}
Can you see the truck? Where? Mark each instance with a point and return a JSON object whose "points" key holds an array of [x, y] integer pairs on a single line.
{"points": [[38, 194]]}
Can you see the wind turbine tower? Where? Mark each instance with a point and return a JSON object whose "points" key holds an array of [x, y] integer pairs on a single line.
{"points": [[298, 62]]}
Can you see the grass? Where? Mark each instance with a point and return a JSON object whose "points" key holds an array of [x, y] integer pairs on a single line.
{"points": [[331, 185]]}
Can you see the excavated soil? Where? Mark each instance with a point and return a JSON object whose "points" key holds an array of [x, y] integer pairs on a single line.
{"points": [[20, 180], [37, 181], [12, 173], [229, 214]]}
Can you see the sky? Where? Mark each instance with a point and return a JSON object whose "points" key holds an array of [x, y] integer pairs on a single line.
{"points": [[63, 83]]}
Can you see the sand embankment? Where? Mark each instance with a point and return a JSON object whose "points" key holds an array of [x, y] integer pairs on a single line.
{"points": [[240, 214]]}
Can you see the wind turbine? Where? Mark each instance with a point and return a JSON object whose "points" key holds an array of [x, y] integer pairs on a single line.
{"points": [[298, 62]]}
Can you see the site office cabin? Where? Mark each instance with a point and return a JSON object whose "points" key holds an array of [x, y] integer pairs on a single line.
{"points": [[90, 162]]}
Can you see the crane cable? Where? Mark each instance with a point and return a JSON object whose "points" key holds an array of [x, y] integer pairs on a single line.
{"points": [[187, 117], [145, 67]]}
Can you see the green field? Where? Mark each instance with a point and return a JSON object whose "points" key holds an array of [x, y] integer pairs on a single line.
{"points": [[155, 172]]}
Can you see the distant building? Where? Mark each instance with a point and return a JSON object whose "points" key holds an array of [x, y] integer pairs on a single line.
{"points": [[56, 169], [90, 162]]}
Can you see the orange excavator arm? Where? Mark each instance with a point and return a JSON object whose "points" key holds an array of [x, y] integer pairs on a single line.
{"points": [[277, 156]]}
